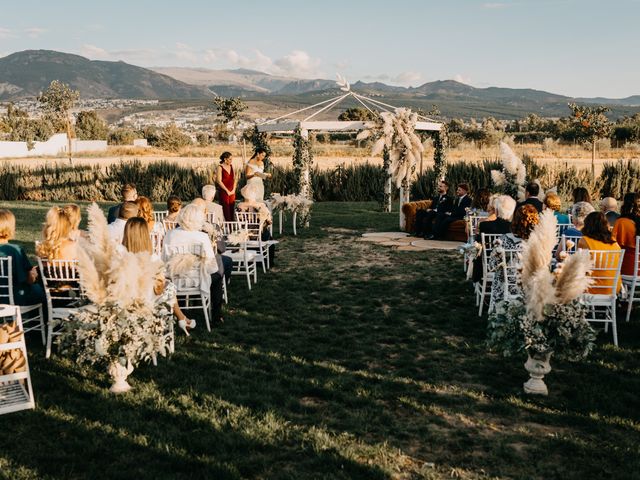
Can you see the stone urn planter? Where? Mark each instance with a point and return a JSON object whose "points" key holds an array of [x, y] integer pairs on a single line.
{"points": [[538, 366], [119, 370]]}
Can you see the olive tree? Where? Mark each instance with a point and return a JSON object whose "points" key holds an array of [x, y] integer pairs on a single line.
{"points": [[57, 101]]}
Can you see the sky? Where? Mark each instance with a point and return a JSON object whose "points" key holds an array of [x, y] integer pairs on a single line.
{"points": [[579, 48]]}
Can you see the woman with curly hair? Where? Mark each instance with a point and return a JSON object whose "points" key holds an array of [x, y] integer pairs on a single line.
{"points": [[56, 243], [145, 210], [597, 236], [626, 228], [524, 221]]}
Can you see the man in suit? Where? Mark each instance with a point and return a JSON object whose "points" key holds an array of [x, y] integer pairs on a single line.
{"points": [[531, 192], [440, 205], [462, 203], [129, 194]]}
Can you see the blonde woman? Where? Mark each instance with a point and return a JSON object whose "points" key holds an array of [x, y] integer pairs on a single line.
{"points": [[136, 239], [145, 210], [25, 289], [74, 214], [56, 243]]}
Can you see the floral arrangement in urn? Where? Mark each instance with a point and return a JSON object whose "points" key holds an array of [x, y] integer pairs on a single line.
{"points": [[125, 323], [511, 179], [549, 316]]}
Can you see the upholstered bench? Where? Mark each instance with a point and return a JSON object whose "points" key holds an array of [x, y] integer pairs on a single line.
{"points": [[456, 232]]}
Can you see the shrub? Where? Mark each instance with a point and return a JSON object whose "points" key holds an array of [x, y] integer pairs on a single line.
{"points": [[171, 138]]}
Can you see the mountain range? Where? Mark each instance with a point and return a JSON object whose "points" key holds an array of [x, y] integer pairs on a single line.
{"points": [[27, 73]]}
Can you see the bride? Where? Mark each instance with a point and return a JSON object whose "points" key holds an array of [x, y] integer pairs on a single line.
{"points": [[254, 171]]}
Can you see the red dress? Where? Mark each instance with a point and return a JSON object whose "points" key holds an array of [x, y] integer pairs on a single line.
{"points": [[227, 201]]}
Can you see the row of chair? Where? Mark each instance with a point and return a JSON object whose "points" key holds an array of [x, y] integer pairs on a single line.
{"points": [[602, 300]]}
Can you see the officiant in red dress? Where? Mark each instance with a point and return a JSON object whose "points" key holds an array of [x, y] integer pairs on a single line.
{"points": [[226, 181]]}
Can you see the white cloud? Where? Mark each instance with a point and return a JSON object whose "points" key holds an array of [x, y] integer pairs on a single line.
{"points": [[34, 32], [406, 79], [209, 56], [185, 52], [458, 77], [298, 63], [94, 53], [6, 33]]}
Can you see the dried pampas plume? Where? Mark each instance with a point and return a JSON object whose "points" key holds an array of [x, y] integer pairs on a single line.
{"points": [[541, 292], [538, 249], [572, 281]]}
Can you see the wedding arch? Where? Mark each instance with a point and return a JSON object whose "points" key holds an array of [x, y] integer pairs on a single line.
{"points": [[300, 129]]}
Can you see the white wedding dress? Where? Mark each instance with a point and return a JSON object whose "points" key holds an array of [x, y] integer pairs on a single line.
{"points": [[256, 181]]}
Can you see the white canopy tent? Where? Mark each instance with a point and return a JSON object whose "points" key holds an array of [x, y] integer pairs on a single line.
{"points": [[286, 124]]}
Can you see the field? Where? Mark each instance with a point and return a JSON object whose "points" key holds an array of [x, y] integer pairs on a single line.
{"points": [[348, 360], [329, 156]]}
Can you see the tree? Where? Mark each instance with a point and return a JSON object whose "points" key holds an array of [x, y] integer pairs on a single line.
{"points": [[57, 101], [89, 126], [18, 127], [357, 114], [172, 138], [229, 108], [591, 124]]}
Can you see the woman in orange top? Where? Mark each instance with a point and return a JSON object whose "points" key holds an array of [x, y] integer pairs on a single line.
{"points": [[596, 236], [626, 229]]}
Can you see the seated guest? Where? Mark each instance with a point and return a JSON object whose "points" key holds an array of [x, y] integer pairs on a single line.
{"points": [[25, 289], [531, 192], [579, 212], [129, 194], [73, 213], [126, 211], [609, 207], [524, 221], [596, 235], [252, 203], [56, 242], [145, 210], [136, 239], [581, 194], [461, 204], [225, 263], [626, 228], [174, 204], [552, 202], [191, 221], [504, 206], [481, 202], [208, 194], [440, 205]]}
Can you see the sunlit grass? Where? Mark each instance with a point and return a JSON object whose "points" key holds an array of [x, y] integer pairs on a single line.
{"points": [[348, 360]]}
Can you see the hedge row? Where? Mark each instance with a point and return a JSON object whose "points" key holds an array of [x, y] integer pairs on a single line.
{"points": [[365, 182]]}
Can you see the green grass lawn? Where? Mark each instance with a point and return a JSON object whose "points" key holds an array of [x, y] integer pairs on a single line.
{"points": [[348, 360]]}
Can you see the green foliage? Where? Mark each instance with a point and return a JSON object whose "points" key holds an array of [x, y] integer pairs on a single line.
{"points": [[205, 139], [18, 127], [230, 108], [155, 180], [591, 123], [172, 138], [58, 100], [121, 136], [357, 113], [89, 126], [260, 140]]}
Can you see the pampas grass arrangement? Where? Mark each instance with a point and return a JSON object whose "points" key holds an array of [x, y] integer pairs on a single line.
{"points": [[396, 132], [125, 322], [549, 317], [511, 178]]}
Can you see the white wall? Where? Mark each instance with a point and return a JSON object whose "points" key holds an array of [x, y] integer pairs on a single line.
{"points": [[55, 145]]}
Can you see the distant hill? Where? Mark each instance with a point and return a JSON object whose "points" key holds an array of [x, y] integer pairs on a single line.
{"points": [[27, 73]]}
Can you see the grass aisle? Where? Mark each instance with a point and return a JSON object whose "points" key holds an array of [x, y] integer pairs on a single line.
{"points": [[348, 360]]}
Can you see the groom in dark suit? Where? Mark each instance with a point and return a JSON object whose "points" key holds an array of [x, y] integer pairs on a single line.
{"points": [[462, 202], [440, 205]]}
